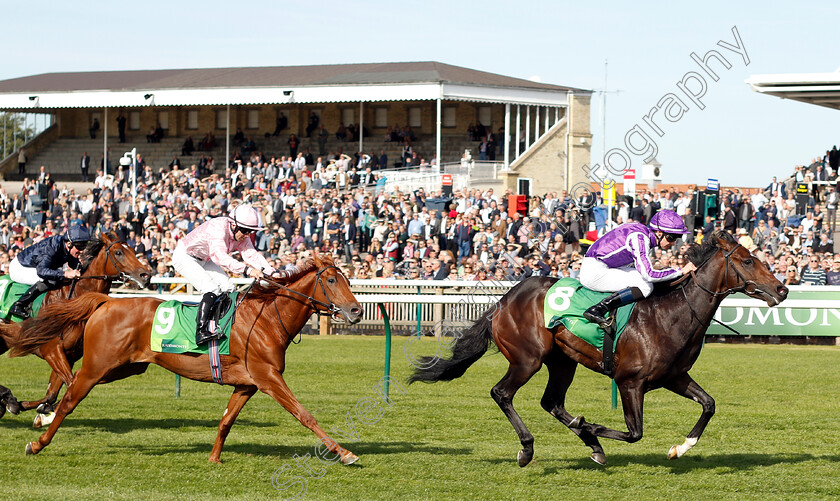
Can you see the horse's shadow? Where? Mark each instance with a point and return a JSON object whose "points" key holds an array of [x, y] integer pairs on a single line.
{"points": [[127, 425], [720, 463], [274, 449]]}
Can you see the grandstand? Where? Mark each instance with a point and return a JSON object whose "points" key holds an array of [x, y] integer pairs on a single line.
{"points": [[547, 140]]}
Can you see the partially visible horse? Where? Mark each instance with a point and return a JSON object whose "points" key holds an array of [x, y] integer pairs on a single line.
{"points": [[658, 347], [104, 260], [117, 338]]}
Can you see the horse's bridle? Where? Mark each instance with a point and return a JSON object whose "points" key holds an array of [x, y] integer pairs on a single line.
{"points": [[744, 287], [740, 288], [329, 308], [120, 276]]}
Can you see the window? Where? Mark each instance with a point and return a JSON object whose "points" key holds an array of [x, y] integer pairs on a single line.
{"points": [[134, 120], [348, 116], [221, 119], [524, 186], [253, 119], [163, 119], [415, 116], [192, 119], [485, 115], [449, 116], [380, 117]]}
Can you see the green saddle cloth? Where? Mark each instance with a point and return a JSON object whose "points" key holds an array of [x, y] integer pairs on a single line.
{"points": [[565, 303], [173, 330], [10, 292]]}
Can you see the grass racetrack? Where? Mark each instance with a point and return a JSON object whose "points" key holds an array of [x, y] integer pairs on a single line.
{"points": [[774, 435]]}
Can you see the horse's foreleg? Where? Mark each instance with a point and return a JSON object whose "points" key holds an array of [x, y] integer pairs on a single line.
{"points": [[561, 372], [238, 400], [632, 400], [503, 393], [51, 396], [271, 382], [688, 388], [54, 354], [78, 390]]}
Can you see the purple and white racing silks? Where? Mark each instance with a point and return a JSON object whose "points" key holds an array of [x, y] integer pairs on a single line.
{"points": [[627, 244]]}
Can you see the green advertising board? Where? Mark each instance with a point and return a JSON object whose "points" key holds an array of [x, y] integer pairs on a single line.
{"points": [[808, 311]]}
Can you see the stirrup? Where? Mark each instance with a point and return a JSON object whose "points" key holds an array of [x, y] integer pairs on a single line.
{"points": [[19, 311], [608, 323]]}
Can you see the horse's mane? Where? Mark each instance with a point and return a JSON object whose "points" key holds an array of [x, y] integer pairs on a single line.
{"points": [[267, 291], [699, 254], [91, 251]]}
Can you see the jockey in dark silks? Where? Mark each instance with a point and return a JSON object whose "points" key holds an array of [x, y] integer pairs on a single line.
{"points": [[41, 266]]}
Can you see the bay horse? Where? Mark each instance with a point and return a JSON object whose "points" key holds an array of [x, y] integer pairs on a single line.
{"points": [[103, 261], [659, 345], [117, 337]]}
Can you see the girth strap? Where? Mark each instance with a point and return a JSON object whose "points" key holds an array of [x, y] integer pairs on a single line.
{"points": [[609, 341]]}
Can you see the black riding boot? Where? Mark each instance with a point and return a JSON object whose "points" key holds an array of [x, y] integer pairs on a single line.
{"points": [[596, 313], [202, 319], [21, 307]]}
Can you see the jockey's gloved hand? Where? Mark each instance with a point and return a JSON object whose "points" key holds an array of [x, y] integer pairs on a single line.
{"points": [[255, 273]]}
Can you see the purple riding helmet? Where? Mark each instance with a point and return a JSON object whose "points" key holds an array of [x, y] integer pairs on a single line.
{"points": [[667, 221]]}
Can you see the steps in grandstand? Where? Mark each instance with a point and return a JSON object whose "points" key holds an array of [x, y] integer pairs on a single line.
{"points": [[61, 158]]}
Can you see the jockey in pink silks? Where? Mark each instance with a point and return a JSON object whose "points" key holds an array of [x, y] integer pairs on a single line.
{"points": [[204, 254], [619, 262]]}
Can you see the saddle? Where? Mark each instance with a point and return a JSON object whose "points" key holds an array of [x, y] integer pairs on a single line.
{"points": [[565, 303], [173, 328]]}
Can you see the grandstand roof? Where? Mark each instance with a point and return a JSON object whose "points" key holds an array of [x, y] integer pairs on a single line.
{"points": [[821, 89], [265, 85]]}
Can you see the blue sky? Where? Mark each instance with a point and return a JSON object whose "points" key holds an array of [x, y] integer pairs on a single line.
{"points": [[741, 137]]}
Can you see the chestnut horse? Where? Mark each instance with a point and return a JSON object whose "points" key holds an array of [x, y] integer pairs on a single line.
{"points": [[103, 261], [658, 347], [117, 335]]}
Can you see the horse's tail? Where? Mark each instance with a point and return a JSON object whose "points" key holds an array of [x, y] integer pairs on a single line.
{"points": [[54, 319], [469, 347]]}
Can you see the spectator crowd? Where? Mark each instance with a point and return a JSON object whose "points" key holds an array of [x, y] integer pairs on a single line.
{"points": [[338, 204]]}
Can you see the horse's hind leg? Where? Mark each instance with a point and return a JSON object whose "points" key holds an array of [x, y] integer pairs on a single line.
{"points": [[687, 387], [238, 400], [561, 372], [503, 393]]}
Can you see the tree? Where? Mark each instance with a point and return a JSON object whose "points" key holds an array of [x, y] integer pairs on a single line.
{"points": [[16, 132]]}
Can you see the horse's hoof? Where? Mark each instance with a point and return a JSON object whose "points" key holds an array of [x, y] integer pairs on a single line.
{"points": [[37, 423], [30, 451], [13, 407], [349, 458], [673, 453], [577, 422], [599, 457], [524, 458], [215, 460], [43, 409]]}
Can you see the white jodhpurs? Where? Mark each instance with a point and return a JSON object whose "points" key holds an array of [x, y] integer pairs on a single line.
{"points": [[206, 276], [23, 275], [599, 277]]}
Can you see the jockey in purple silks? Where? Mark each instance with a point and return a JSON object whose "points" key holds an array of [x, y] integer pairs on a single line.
{"points": [[619, 262]]}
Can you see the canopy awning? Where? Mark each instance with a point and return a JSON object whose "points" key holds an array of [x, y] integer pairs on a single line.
{"points": [[821, 89]]}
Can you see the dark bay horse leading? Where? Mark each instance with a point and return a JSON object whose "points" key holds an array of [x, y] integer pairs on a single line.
{"points": [[104, 261], [660, 344], [117, 337]]}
